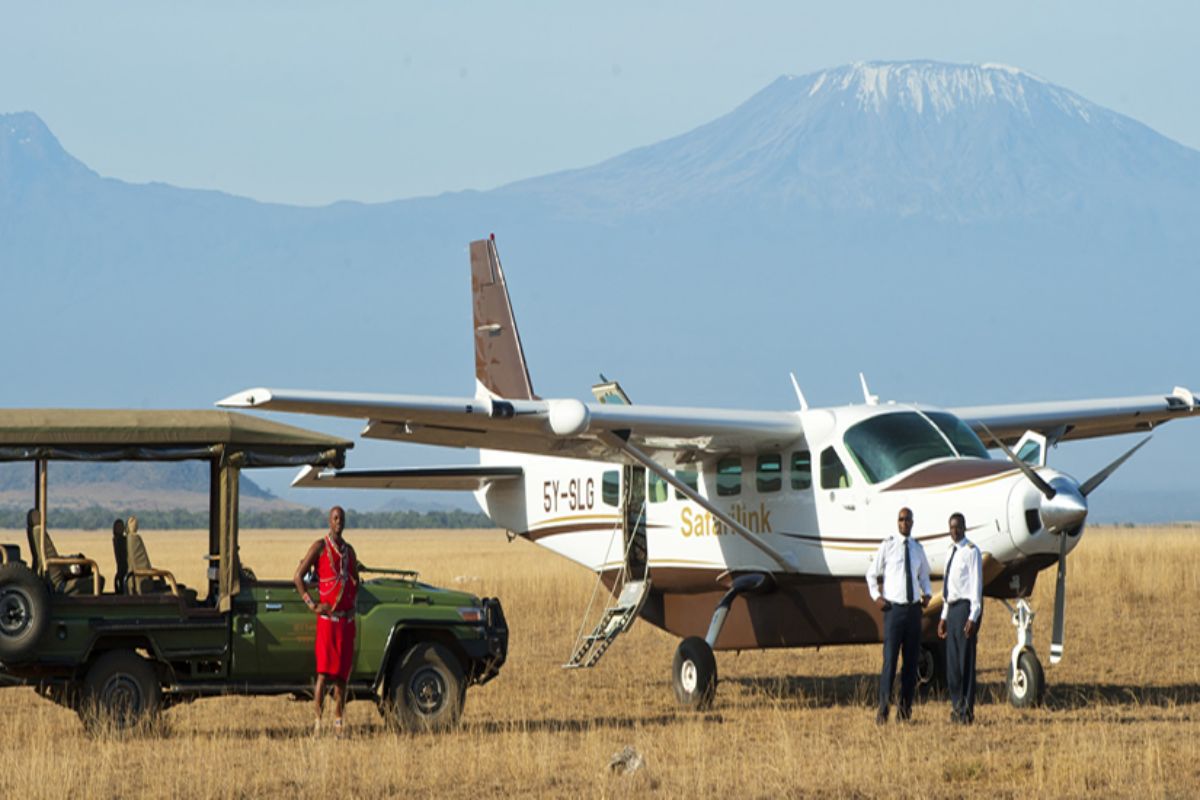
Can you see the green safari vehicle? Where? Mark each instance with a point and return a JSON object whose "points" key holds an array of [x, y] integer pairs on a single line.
{"points": [[120, 651]]}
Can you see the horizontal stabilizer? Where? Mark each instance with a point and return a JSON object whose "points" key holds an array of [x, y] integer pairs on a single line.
{"points": [[461, 479]]}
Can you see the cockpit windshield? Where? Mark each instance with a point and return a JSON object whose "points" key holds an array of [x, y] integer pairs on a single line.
{"points": [[889, 444]]}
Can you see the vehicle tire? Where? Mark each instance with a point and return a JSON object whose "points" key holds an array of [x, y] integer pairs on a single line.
{"points": [[24, 612], [1027, 687], [931, 668], [120, 691], [694, 674], [427, 690]]}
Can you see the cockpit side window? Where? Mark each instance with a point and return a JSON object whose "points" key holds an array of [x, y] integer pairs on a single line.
{"points": [[833, 471], [960, 434], [889, 444]]}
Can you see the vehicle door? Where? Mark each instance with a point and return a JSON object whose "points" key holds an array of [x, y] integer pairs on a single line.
{"points": [[285, 632]]}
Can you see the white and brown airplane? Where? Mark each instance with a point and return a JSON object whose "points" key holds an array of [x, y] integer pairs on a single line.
{"points": [[744, 529]]}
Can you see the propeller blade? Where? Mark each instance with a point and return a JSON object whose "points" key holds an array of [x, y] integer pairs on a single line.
{"points": [[1088, 486], [1037, 480], [1060, 602]]}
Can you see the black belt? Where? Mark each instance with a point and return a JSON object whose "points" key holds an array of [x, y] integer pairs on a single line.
{"points": [[956, 602]]}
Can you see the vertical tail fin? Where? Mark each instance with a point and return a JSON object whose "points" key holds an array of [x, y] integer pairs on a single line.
{"points": [[499, 359]]}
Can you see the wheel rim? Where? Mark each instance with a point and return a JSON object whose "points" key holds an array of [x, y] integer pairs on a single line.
{"points": [[688, 677], [121, 696], [15, 614], [1020, 683], [428, 691]]}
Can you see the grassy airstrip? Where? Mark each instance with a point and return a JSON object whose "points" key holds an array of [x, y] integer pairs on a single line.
{"points": [[1123, 716]]}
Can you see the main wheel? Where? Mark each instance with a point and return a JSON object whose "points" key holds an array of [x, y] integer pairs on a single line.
{"points": [[427, 689], [694, 674], [120, 691], [1027, 687], [931, 667], [24, 612]]}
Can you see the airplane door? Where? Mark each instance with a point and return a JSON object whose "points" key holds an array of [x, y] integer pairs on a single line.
{"points": [[839, 501], [634, 508]]}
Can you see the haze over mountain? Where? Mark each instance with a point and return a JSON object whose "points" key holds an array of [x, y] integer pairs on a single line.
{"points": [[963, 234]]}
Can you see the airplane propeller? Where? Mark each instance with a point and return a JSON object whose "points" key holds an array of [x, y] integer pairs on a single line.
{"points": [[1063, 510]]}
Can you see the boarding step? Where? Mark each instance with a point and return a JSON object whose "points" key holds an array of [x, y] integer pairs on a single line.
{"points": [[616, 619]]}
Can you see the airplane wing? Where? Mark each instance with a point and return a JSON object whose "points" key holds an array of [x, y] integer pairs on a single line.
{"points": [[1079, 419], [465, 478], [566, 428]]}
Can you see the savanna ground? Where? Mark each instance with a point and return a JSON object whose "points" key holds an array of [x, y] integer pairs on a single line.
{"points": [[1122, 716]]}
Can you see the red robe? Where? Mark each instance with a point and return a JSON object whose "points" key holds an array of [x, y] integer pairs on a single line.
{"points": [[338, 586]]}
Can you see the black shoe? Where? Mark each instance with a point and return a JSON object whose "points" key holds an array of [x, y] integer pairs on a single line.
{"points": [[881, 718], [955, 718], [904, 715]]}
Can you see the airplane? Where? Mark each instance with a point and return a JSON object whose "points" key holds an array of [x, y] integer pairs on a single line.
{"points": [[743, 529]]}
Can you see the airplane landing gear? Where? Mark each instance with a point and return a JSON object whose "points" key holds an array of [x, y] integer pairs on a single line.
{"points": [[694, 674], [1026, 678], [694, 671]]}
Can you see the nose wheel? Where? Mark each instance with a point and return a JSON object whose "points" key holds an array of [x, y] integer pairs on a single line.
{"points": [[1026, 678]]}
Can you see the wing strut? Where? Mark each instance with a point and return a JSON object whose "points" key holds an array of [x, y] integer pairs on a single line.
{"points": [[616, 441]]}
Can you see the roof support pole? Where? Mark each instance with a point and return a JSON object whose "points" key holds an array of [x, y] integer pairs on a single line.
{"points": [[618, 442], [41, 505]]}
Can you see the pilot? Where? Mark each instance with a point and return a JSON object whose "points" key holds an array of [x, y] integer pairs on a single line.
{"points": [[337, 586], [898, 580], [962, 611]]}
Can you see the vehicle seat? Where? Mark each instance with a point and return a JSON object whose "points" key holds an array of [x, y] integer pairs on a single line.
{"points": [[120, 554], [74, 574], [141, 576]]}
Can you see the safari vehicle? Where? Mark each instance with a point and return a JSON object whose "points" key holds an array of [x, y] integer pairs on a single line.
{"points": [[121, 648]]}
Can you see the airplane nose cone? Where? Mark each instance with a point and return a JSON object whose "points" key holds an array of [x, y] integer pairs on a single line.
{"points": [[1066, 509]]}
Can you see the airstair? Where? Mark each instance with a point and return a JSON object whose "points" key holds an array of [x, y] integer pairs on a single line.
{"points": [[623, 608]]}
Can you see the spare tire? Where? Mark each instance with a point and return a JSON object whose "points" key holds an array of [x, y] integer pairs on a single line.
{"points": [[24, 612]]}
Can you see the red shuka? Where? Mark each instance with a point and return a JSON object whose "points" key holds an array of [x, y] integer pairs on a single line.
{"points": [[338, 587]]}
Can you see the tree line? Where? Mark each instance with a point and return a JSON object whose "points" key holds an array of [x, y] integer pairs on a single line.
{"points": [[98, 518]]}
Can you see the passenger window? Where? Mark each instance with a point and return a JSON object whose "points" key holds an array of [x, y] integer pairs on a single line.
{"points": [[610, 488], [657, 490], [690, 478], [729, 476], [769, 477], [833, 472], [801, 469]]}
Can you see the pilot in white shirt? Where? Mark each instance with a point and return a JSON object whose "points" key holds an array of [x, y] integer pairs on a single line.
{"points": [[962, 611], [898, 581]]}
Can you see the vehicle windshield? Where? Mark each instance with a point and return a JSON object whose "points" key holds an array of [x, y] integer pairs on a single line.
{"points": [[889, 444]]}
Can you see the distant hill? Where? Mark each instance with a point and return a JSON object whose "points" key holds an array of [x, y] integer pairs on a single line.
{"points": [[132, 485], [963, 234]]}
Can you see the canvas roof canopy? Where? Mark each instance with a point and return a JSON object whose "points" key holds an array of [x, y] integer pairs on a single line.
{"points": [[137, 434]]}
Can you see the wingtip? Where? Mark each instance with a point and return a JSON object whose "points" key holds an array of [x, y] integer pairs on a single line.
{"points": [[249, 398]]}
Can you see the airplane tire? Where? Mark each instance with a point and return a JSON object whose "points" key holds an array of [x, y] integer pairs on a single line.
{"points": [[1027, 687], [24, 612], [694, 674], [931, 668]]}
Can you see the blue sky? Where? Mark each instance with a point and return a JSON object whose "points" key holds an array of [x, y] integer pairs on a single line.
{"points": [[312, 102]]}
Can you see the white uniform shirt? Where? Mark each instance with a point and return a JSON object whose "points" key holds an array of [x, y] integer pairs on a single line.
{"points": [[889, 563], [964, 581]]}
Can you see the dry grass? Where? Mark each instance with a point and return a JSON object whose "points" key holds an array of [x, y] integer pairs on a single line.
{"points": [[1123, 716]]}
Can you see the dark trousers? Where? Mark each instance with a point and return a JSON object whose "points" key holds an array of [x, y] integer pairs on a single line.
{"points": [[901, 634], [960, 660]]}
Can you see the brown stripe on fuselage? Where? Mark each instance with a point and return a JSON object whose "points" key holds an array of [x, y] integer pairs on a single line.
{"points": [[951, 472], [802, 611], [575, 527]]}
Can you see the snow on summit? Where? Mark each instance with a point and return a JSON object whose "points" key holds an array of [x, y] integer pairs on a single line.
{"points": [[928, 86]]}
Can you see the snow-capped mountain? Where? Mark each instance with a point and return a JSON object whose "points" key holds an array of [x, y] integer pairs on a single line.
{"points": [[909, 138]]}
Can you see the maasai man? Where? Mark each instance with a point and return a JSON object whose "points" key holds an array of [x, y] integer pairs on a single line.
{"points": [[337, 582]]}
